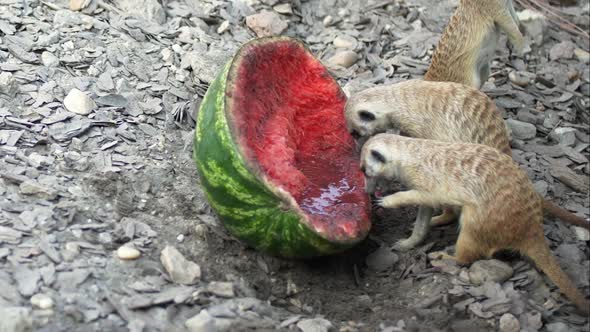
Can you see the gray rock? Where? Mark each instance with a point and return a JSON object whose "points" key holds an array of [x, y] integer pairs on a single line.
{"points": [[343, 59], [509, 323], [518, 78], [314, 325], [27, 280], [42, 301], [49, 60], [570, 178], [571, 252], [266, 23], [149, 10], [8, 84], [15, 319], [563, 50], [521, 130], [489, 270], [541, 187], [223, 289], [179, 268], [203, 322], [551, 119], [564, 136], [581, 233], [381, 259], [582, 55], [558, 327], [345, 42]]}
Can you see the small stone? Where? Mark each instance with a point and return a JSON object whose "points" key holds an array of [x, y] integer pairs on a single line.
{"points": [[283, 8], [551, 119], [327, 20], [203, 322], [509, 323], [223, 289], [128, 253], [582, 55], [7, 84], [179, 268], [521, 130], [15, 319], [266, 23], [381, 259], [42, 301], [570, 178], [541, 187], [489, 270], [223, 27], [77, 5], [518, 79], [150, 10], [344, 59], [49, 60], [564, 136], [558, 327], [345, 42], [569, 251], [534, 24], [31, 187], [581, 233], [78, 102], [314, 325], [526, 116], [563, 50]]}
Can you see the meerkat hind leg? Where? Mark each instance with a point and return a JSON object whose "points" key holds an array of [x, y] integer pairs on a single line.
{"points": [[420, 231], [447, 217]]}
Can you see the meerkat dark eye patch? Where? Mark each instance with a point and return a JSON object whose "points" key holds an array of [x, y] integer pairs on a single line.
{"points": [[378, 156], [366, 116]]}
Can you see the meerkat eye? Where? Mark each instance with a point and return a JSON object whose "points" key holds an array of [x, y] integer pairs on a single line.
{"points": [[366, 116], [378, 156]]}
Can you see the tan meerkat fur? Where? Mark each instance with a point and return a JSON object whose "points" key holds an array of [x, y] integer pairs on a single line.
{"points": [[468, 43], [500, 208], [442, 111]]}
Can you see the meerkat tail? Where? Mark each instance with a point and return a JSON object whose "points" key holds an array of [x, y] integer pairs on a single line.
{"points": [[564, 215], [538, 251]]}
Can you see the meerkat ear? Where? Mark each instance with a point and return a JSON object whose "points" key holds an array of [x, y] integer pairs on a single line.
{"points": [[378, 156], [366, 116]]}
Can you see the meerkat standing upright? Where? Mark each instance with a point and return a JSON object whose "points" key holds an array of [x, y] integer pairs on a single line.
{"points": [[500, 208], [468, 43], [442, 111]]}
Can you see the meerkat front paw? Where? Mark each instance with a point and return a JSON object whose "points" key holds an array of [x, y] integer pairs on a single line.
{"points": [[405, 245]]}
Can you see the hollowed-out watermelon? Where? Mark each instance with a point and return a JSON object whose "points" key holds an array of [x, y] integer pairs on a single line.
{"points": [[274, 156]]}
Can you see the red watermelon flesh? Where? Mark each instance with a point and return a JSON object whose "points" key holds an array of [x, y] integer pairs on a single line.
{"points": [[287, 112]]}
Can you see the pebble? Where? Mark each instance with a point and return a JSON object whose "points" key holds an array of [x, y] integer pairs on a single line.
{"points": [[283, 8], [128, 253], [203, 322], [223, 27], [564, 136], [42, 301], [581, 233], [77, 5], [15, 319], [345, 42], [223, 289], [509, 323], [489, 270], [569, 251], [314, 325], [327, 20], [518, 79], [150, 10], [381, 259], [78, 102], [563, 50], [180, 269], [582, 55], [521, 130], [541, 187], [526, 116], [49, 60], [266, 23], [344, 59], [7, 84], [557, 327]]}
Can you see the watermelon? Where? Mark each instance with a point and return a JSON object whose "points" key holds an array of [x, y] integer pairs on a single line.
{"points": [[274, 157]]}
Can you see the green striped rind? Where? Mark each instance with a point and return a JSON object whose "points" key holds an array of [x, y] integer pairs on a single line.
{"points": [[252, 210]]}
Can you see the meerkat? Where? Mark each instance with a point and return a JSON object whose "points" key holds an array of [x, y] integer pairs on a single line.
{"points": [[442, 111], [467, 45], [500, 208]]}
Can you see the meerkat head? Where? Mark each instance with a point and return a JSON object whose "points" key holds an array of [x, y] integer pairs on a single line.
{"points": [[375, 163], [366, 114]]}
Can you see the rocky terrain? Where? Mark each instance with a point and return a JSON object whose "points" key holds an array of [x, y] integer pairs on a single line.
{"points": [[103, 226]]}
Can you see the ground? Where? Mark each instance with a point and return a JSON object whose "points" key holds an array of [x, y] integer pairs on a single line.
{"points": [[84, 175]]}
